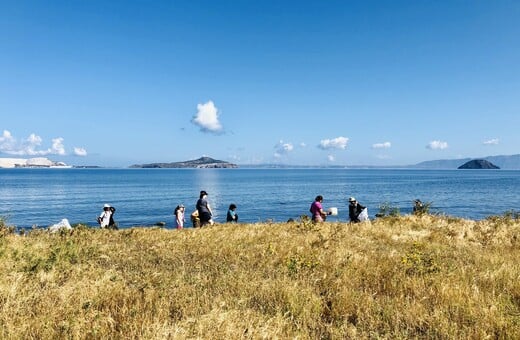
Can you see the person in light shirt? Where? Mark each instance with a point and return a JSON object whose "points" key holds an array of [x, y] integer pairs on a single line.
{"points": [[179, 216], [106, 219]]}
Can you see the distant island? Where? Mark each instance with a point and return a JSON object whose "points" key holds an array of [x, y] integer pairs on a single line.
{"points": [[203, 162], [511, 162], [478, 164]]}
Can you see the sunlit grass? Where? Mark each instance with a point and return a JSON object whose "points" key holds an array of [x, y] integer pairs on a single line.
{"points": [[398, 277]]}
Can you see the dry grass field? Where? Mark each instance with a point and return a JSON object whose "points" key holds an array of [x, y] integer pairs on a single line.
{"points": [[398, 277]]}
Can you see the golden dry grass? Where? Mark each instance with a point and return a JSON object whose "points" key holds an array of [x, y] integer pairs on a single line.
{"points": [[398, 277]]}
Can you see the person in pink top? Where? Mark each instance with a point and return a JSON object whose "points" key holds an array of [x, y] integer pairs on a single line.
{"points": [[318, 215]]}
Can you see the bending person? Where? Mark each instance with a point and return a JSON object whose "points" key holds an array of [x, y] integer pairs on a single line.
{"points": [[318, 215], [354, 210]]}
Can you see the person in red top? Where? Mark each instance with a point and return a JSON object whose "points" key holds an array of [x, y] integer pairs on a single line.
{"points": [[318, 215]]}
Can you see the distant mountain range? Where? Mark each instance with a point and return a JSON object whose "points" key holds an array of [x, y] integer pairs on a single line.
{"points": [[203, 162], [511, 162], [503, 162]]}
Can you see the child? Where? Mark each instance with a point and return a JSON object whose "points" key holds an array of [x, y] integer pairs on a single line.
{"points": [[179, 216], [232, 215]]}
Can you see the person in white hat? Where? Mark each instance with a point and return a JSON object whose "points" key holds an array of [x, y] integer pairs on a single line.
{"points": [[354, 209], [105, 219]]}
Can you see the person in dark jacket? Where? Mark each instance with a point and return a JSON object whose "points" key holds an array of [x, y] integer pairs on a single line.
{"points": [[354, 209], [204, 209]]}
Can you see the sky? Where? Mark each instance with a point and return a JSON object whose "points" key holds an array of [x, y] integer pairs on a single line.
{"points": [[116, 83]]}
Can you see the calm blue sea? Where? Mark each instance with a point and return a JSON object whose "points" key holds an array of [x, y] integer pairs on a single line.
{"points": [[42, 197]]}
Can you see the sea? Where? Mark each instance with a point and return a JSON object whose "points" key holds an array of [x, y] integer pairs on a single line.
{"points": [[145, 197]]}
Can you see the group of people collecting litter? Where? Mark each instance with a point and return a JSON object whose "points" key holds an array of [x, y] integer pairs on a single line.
{"points": [[356, 212], [203, 215]]}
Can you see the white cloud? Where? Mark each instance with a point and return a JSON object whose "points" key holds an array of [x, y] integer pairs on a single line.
{"points": [[437, 145], [336, 143], [207, 118], [30, 146], [493, 141], [385, 145], [331, 158], [34, 140], [57, 146], [282, 149], [80, 152], [302, 144], [6, 142]]}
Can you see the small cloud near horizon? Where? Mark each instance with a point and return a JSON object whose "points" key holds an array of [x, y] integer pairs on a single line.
{"points": [[207, 118], [385, 145], [493, 141], [331, 158], [80, 152], [282, 149], [437, 145], [29, 146], [335, 143]]}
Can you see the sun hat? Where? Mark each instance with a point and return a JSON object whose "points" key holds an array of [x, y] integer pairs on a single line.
{"points": [[351, 199], [106, 206]]}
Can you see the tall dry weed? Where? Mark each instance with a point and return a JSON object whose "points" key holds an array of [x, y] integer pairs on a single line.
{"points": [[398, 277]]}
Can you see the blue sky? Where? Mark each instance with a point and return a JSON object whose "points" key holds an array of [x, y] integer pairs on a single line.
{"points": [[115, 83]]}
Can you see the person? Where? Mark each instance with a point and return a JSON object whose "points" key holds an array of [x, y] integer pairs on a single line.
{"points": [[354, 210], [316, 209], [232, 215], [179, 216], [106, 219], [112, 224], [195, 220], [204, 209], [418, 207]]}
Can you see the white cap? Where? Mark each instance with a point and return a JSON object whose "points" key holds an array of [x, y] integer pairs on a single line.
{"points": [[351, 199], [106, 206]]}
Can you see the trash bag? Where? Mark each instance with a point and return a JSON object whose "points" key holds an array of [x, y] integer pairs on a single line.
{"points": [[63, 224], [363, 215]]}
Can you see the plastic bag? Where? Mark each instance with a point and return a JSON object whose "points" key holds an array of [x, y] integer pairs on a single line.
{"points": [[363, 215], [64, 223]]}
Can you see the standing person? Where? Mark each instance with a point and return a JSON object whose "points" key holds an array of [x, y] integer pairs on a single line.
{"points": [[112, 224], [232, 215], [179, 216], [105, 218], [204, 209], [354, 210], [318, 215]]}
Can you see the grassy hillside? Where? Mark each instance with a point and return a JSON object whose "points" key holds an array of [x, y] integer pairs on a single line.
{"points": [[398, 277]]}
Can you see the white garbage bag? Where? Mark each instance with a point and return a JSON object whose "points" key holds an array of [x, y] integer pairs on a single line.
{"points": [[363, 215], [64, 223]]}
